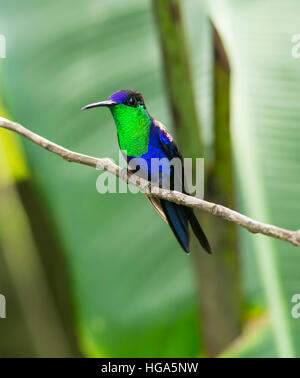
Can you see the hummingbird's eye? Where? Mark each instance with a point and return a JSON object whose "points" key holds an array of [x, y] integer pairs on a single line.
{"points": [[132, 101]]}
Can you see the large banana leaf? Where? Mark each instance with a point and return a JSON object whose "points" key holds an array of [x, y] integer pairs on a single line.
{"points": [[266, 138], [133, 287]]}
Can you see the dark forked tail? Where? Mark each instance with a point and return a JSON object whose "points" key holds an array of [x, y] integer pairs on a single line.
{"points": [[178, 222], [198, 231], [179, 217]]}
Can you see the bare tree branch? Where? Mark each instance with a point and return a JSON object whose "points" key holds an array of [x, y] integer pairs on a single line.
{"points": [[106, 164]]}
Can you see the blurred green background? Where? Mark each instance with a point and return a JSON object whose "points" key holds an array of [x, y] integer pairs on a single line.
{"points": [[96, 275]]}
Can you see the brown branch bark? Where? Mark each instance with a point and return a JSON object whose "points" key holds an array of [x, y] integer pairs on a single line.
{"points": [[108, 165]]}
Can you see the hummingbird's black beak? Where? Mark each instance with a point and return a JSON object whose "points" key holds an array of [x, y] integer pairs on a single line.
{"points": [[102, 103]]}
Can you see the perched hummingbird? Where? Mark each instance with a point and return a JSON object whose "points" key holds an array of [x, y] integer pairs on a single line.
{"points": [[141, 136]]}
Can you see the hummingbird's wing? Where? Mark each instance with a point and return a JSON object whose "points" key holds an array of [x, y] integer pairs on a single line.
{"points": [[179, 216], [155, 203]]}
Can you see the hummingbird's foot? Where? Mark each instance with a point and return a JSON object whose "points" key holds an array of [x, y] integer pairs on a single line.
{"points": [[124, 174], [147, 188]]}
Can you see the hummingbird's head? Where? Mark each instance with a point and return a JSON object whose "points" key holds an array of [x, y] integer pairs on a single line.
{"points": [[127, 97], [131, 118]]}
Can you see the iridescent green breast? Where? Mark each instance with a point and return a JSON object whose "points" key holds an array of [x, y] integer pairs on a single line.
{"points": [[133, 126]]}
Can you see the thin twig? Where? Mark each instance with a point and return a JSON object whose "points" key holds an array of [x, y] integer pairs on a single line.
{"points": [[106, 164]]}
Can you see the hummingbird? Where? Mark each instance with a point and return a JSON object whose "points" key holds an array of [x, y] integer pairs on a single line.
{"points": [[142, 136]]}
